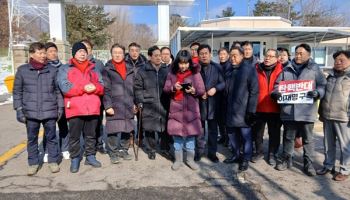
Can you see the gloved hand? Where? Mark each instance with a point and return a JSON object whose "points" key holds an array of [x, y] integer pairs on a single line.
{"points": [[312, 94], [20, 115], [60, 113], [275, 95], [250, 118]]}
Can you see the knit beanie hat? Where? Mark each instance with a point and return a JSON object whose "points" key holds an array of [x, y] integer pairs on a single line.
{"points": [[77, 46]]}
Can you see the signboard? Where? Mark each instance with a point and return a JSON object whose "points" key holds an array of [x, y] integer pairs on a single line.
{"points": [[294, 92]]}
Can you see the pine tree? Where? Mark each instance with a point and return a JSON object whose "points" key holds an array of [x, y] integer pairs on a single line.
{"points": [[87, 22]]}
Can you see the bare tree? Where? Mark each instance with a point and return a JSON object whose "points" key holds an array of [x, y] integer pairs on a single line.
{"points": [[144, 35], [121, 28], [4, 24], [316, 13], [122, 31], [177, 21]]}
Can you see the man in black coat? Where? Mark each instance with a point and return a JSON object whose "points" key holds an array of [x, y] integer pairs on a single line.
{"points": [[37, 100], [214, 83], [242, 91], [148, 89], [134, 56], [225, 64]]}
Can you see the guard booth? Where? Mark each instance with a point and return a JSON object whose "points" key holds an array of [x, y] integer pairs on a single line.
{"points": [[264, 33]]}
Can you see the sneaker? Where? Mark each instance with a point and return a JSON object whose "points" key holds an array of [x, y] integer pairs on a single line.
{"points": [[125, 155], [32, 170], [257, 157], [243, 166], [114, 159], [284, 164], [66, 155], [213, 158], [310, 171], [272, 160], [46, 158], [54, 168]]}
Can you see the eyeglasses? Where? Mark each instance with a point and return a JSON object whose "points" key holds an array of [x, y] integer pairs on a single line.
{"points": [[269, 56]]}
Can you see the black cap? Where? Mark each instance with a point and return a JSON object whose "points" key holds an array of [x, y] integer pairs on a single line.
{"points": [[77, 46]]}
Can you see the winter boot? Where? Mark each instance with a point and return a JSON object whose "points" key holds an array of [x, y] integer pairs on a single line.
{"points": [[91, 160], [190, 160], [178, 160], [74, 165]]}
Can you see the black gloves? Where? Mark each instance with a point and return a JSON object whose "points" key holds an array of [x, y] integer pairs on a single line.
{"points": [[250, 118], [20, 115], [313, 94], [60, 113], [275, 95]]}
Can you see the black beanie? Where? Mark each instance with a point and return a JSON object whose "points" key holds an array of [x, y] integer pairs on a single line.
{"points": [[77, 46]]}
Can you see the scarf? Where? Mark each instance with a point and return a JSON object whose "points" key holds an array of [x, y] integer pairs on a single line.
{"points": [[180, 77], [81, 66], [55, 63], [36, 65], [120, 67], [195, 60]]}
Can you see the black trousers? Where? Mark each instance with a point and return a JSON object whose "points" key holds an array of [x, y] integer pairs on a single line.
{"points": [[212, 138], [274, 124], [151, 142], [87, 126], [99, 129], [118, 141]]}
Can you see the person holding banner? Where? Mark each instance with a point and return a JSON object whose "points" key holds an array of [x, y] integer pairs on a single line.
{"points": [[297, 90], [267, 109], [335, 114]]}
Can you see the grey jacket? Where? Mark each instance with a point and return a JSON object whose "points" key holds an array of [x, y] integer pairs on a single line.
{"points": [[302, 112], [336, 103]]}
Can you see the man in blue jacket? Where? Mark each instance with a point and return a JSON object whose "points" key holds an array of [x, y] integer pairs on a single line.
{"points": [[38, 100]]}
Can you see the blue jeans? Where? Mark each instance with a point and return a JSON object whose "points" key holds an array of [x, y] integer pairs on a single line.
{"points": [[33, 127], [181, 142], [241, 137]]}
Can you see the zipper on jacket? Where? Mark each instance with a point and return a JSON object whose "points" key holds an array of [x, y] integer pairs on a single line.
{"points": [[157, 87], [37, 88]]}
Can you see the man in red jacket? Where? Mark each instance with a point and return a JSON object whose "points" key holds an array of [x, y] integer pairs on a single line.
{"points": [[82, 86], [267, 109]]}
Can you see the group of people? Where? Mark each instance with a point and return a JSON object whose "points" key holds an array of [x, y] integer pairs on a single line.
{"points": [[183, 100]]}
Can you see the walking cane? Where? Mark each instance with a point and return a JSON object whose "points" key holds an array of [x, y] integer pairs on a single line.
{"points": [[139, 131]]}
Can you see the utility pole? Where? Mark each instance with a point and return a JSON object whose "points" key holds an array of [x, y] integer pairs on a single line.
{"points": [[207, 10], [248, 8]]}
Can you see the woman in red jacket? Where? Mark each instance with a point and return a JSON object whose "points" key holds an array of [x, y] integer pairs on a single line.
{"points": [[82, 86]]}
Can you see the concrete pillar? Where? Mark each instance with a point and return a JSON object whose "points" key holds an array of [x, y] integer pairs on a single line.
{"points": [[57, 20], [163, 24], [58, 29], [20, 53], [64, 50]]}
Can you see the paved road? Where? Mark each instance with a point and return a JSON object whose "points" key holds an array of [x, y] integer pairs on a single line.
{"points": [[146, 179]]}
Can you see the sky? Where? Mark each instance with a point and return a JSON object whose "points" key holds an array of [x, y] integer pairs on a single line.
{"points": [[196, 12]]}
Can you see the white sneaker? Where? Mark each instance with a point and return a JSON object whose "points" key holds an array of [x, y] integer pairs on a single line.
{"points": [[46, 158], [66, 155]]}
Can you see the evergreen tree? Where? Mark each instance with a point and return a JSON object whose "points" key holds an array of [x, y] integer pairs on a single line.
{"points": [[87, 22]]}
